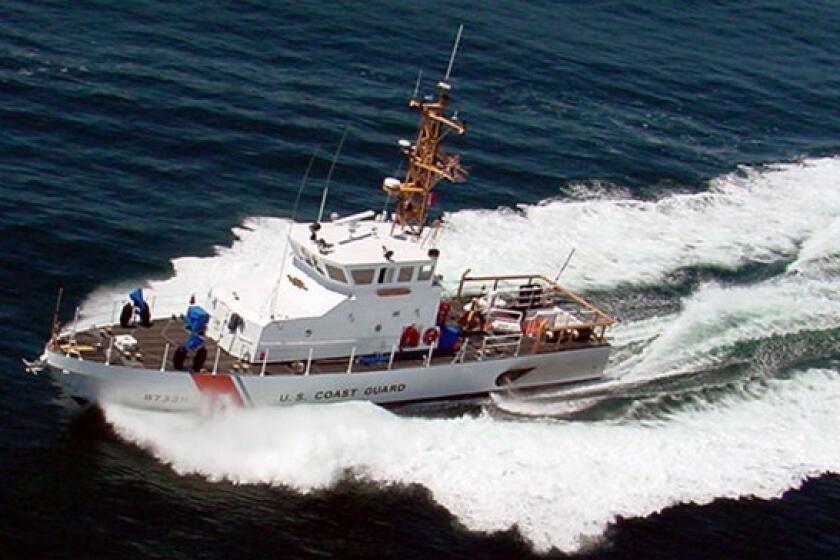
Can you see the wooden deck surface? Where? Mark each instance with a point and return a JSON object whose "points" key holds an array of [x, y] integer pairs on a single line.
{"points": [[152, 345]]}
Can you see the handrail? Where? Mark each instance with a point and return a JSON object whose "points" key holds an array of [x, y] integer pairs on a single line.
{"points": [[607, 319], [498, 342], [309, 343]]}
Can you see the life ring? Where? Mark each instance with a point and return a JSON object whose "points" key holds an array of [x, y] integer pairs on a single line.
{"points": [[179, 357], [145, 317], [199, 359], [430, 336], [126, 315], [410, 337]]}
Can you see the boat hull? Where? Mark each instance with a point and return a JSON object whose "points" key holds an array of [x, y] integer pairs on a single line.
{"points": [[89, 381]]}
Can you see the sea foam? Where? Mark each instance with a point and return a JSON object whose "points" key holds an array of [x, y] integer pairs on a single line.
{"points": [[752, 215], [563, 482]]}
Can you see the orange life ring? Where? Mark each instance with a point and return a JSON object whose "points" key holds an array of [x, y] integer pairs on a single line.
{"points": [[430, 336], [410, 337]]}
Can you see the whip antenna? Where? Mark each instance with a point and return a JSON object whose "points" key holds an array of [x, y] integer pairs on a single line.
{"points": [[55, 313], [303, 181], [417, 84], [454, 51], [565, 264], [273, 298], [329, 175]]}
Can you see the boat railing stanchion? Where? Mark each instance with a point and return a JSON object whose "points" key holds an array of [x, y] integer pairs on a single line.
{"points": [[108, 352], [429, 355], [391, 359], [350, 361], [222, 328], [165, 355], [152, 305], [308, 362], [518, 346], [216, 361], [265, 362], [113, 311]]}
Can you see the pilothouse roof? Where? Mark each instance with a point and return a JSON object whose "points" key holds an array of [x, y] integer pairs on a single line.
{"points": [[359, 243]]}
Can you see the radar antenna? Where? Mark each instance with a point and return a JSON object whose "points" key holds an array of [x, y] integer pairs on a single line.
{"points": [[427, 162]]}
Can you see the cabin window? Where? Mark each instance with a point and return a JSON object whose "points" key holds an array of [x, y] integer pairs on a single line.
{"points": [[425, 272], [336, 273], [362, 276], [406, 272], [319, 266], [386, 275]]}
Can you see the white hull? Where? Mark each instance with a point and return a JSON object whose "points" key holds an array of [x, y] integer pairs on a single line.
{"points": [[92, 382]]}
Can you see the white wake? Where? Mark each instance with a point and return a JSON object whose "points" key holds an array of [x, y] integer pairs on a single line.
{"points": [[753, 215], [563, 482]]}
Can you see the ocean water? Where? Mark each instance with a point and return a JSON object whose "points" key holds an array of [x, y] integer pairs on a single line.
{"points": [[688, 152]]}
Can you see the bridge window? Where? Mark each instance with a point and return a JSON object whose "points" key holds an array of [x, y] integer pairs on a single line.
{"points": [[425, 272], [336, 273], [406, 272], [362, 276], [386, 275]]}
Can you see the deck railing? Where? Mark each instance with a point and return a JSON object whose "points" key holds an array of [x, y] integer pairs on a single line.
{"points": [[530, 291], [107, 312], [501, 344], [570, 316]]}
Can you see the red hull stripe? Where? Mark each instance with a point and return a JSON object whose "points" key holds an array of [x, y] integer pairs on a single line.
{"points": [[217, 388]]}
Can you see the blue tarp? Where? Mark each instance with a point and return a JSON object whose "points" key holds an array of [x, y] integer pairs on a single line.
{"points": [[374, 359], [194, 342], [197, 319], [137, 299], [448, 336]]}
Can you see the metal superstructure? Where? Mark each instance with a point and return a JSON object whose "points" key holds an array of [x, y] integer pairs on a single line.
{"points": [[427, 162]]}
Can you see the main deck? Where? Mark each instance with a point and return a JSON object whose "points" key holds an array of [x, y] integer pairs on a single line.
{"points": [[496, 318]]}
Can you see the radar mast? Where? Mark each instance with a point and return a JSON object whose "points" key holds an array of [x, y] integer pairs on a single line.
{"points": [[427, 162]]}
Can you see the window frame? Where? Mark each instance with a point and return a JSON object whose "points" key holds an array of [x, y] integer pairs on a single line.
{"points": [[359, 271], [337, 269], [385, 275], [400, 279], [425, 272]]}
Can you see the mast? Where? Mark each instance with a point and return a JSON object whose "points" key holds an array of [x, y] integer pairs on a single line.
{"points": [[427, 162]]}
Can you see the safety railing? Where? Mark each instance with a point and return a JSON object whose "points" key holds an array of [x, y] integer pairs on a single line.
{"points": [[531, 287], [500, 345], [570, 318], [106, 311]]}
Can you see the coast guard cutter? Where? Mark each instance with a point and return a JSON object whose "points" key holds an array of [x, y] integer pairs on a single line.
{"points": [[356, 311]]}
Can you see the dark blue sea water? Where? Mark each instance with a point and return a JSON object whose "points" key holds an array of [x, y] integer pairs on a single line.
{"points": [[137, 133]]}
